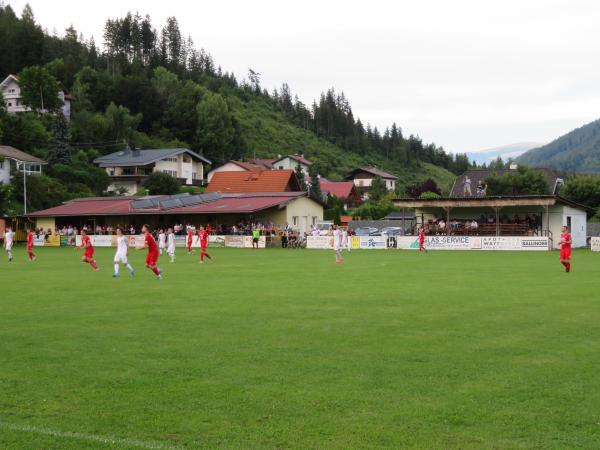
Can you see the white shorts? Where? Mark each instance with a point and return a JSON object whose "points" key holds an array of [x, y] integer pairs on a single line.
{"points": [[161, 246], [171, 250], [121, 258], [9, 247]]}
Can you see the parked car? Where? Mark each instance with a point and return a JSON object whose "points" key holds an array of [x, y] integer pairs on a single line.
{"points": [[323, 227], [367, 231], [392, 231]]}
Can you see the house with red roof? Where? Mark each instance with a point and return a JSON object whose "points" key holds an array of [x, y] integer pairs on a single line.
{"points": [[255, 165], [344, 190], [290, 162], [254, 181], [362, 178]]}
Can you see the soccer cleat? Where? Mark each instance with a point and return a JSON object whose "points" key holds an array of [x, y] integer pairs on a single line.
{"points": [[159, 277], [201, 262], [116, 275], [132, 273]]}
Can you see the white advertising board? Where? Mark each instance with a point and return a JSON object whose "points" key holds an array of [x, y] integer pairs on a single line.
{"points": [[514, 243], [373, 242], [322, 242], [595, 244]]}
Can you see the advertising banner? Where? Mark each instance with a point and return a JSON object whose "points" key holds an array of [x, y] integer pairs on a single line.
{"points": [[53, 240], [216, 241], [373, 242], [595, 244], [234, 241], [262, 242], [38, 242], [514, 243], [322, 242]]}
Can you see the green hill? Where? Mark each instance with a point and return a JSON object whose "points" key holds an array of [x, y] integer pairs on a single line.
{"points": [[576, 151], [269, 132]]}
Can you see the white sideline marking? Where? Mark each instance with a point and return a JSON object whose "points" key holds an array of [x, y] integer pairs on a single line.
{"points": [[88, 437]]}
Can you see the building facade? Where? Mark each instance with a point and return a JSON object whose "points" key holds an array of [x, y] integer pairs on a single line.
{"points": [[128, 169], [13, 99], [12, 159]]}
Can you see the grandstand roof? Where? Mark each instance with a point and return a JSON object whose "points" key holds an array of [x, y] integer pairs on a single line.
{"points": [[245, 182], [176, 204], [489, 201]]}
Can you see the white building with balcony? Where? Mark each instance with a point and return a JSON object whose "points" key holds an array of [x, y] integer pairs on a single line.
{"points": [[14, 100], [128, 169]]}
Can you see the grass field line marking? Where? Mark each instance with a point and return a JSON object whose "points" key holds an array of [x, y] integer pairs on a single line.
{"points": [[88, 437]]}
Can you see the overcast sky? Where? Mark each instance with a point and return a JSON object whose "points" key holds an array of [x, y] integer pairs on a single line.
{"points": [[467, 75]]}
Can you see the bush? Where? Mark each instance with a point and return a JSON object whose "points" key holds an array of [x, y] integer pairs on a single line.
{"points": [[428, 195], [160, 183]]}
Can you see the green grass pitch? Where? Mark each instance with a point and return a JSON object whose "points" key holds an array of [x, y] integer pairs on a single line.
{"points": [[284, 349]]}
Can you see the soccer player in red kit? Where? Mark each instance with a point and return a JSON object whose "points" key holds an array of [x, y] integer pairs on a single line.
{"points": [[565, 248], [203, 236], [88, 256], [190, 239], [422, 240], [152, 257], [32, 256]]}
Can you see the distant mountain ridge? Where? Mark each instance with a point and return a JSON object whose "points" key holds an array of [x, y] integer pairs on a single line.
{"points": [[505, 152], [576, 151]]}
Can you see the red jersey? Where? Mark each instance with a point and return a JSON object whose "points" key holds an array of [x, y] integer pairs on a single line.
{"points": [[203, 235], [86, 242], [421, 236], [150, 243], [190, 236], [566, 237], [29, 239]]}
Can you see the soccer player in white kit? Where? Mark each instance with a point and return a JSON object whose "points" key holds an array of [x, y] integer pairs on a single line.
{"points": [[337, 244], [9, 237], [345, 241], [162, 238], [121, 255], [171, 244]]}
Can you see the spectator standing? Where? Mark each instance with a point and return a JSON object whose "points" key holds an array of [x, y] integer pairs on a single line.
{"points": [[467, 187]]}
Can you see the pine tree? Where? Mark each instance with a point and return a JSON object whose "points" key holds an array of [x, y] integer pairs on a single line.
{"points": [[59, 151], [300, 176]]}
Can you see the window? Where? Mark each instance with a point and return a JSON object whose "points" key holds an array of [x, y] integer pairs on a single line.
{"points": [[11, 91], [173, 173], [314, 220], [194, 176], [1, 164], [295, 220], [9, 104], [170, 159], [280, 167], [187, 159]]}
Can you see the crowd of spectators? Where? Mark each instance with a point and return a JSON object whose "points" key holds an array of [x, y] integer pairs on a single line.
{"points": [[481, 225]]}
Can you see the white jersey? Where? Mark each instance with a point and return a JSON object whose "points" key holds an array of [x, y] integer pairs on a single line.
{"points": [[344, 237], [171, 243], [337, 238], [122, 249], [8, 239], [161, 240]]}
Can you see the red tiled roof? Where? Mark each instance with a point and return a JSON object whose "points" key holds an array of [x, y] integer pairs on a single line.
{"points": [[339, 189], [264, 181], [267, 163], [89, 207], [249, 166], [241, 203]]}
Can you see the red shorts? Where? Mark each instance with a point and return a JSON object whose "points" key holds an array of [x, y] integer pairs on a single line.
{"points": [[30, 248], [565, 253], [152, 258], [89, 252], [203, 247]]}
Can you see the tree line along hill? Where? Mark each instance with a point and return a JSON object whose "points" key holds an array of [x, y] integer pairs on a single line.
{"points": [[576, 151], [148, 88]]}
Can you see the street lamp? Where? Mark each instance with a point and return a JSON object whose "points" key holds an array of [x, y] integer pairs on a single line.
{"points": [[24, 169]]}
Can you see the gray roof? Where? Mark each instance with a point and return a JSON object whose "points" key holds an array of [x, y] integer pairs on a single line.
{"points": [[373, 171], [143, 157], [10, 152]]}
